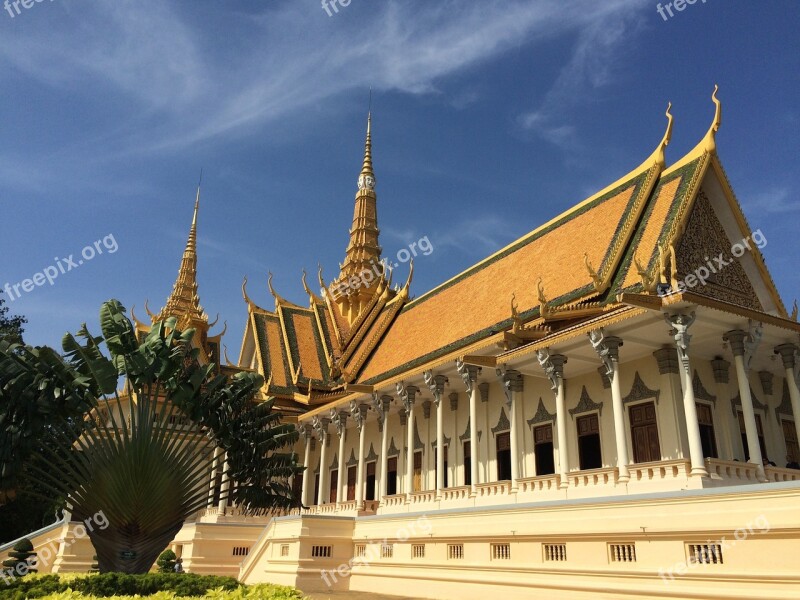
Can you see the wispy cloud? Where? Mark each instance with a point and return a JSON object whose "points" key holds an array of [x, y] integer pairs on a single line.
{"points": [[776, 200], [179, 87], [592, 66]]}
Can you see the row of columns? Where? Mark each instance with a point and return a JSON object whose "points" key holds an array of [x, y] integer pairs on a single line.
{"points": [[742, 344]]}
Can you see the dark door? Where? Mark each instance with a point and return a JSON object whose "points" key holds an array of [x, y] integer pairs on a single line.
{"points": [[644, 433], [589, 442], [297, 487], [759, 431], [334, 483], [316, 489], [543, 449], [707, 438], [467, 463], [371, 481], [417, 471], [503, 447], [351, 482], [391, 473]]}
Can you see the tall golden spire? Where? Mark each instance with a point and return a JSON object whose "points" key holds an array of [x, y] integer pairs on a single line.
{"points": [[184, 303], [363, 250]]}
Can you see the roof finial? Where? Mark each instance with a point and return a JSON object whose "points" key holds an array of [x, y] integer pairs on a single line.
{"points": [[710, 142], [366, 179]]}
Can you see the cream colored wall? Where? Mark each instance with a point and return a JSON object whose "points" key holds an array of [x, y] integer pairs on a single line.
{"points": [[659, 527]]}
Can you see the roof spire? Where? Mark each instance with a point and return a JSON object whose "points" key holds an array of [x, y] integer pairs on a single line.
{"points": [[184, 303], [366, 180]]}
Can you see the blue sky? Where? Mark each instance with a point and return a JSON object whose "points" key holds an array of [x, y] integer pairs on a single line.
{"points": [[489, 118]]}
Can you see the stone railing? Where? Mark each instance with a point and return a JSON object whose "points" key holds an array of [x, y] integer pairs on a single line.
{"points": [[593, 477], [541, 483], [779, 474], [732, 471], [496, 488], [422, 497], [455, 493], [660, 470], [395, 500]]}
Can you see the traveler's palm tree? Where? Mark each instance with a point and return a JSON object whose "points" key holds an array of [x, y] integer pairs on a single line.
{"points": [[138, 460]]}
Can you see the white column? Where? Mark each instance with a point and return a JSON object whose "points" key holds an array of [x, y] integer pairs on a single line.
{"points": [[512, 385], [607, 347], [321, 425], [455, 450], [738, 339], [469, 374], [553, 365], [680, 332], [436, 384], [359, 413], [224, 487], [729, 430], [385, 400], [408, 395], [788, 353], [214, 468], [306, 433], [339, 419]]}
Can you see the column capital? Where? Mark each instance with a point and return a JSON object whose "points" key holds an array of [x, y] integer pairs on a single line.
{"points": [[721, 369], [339, 419], [453, 401], [483, 388], [407, 393], [469, 373], [358, 410], [788, 354], [606, 346], [436, 385], [553, 365], [426, 409], [512, 382], [745, 343], [667, 359], [736, 339], [766, 382]]}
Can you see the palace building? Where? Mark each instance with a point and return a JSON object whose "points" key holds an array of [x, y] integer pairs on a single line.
{"points": [[605, 408]]}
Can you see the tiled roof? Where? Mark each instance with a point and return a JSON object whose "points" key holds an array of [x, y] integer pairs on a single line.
{"points": [[476, 303]]}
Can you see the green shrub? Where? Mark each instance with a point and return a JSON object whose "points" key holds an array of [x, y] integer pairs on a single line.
{"points": [[20, 562], [166, 562], [107, 585]]}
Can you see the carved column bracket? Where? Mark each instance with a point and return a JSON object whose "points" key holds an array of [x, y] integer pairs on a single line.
{"points": [[407, 393], [553, 365], [469, 373]]}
